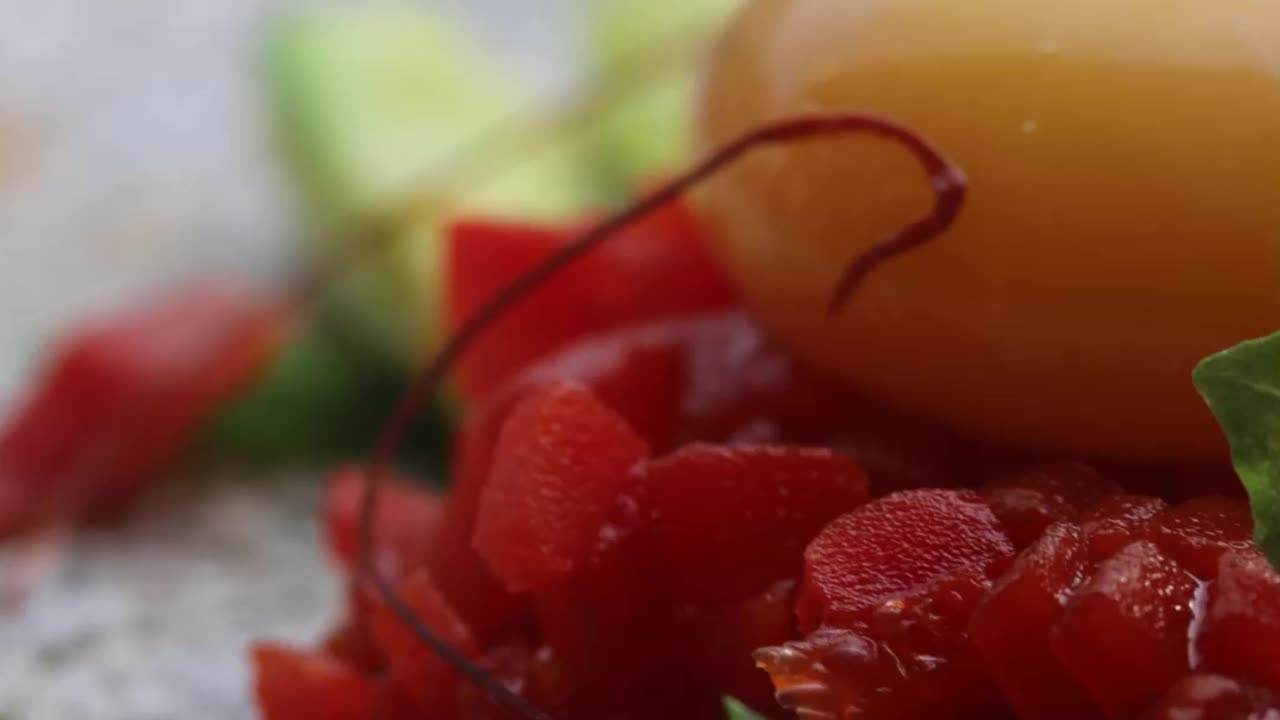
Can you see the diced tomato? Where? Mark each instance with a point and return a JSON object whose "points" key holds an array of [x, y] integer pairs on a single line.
{"points": [[889, 546], [909, 658], [656, 268], [303, 685], [393, 702], [1117, 521], [893, 585], [1215, 697], [537, 676], [741, 387], [509, 665], [1198, 532], [728, 522], [1034, 499], [1240, 633], [1012, 628], [642, 373], [637, 372], [352, 640], [406, 520], [457, 568], [414, 667], [560, 463], [763, 620], [606, 610], [123, 396], [1124, 633]]}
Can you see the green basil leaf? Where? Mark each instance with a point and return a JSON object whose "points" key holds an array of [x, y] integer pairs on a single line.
{"points": [[1242, 387]]}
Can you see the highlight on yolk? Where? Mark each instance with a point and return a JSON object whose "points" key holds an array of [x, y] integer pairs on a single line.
{"points": [[1123, 218]]}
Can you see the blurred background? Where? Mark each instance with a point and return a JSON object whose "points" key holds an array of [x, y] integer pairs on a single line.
{"points": [[144, 143]]}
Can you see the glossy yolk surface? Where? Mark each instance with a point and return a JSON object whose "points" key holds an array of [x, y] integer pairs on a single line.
{"points": [[1124, 212]]}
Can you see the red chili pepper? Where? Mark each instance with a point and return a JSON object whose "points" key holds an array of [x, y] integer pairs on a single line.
{"points": [[122, 396]]}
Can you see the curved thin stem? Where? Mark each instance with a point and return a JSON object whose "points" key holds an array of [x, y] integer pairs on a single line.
{"points": [[948, 182]]}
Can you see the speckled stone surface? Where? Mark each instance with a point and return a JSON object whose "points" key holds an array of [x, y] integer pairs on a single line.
{"points": [[133, 151]]}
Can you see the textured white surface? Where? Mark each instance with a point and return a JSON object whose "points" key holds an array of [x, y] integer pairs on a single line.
{"points": [[133, 151], [151, 621]]}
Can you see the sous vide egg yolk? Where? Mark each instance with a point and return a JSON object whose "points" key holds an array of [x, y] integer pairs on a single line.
{"points": [[1123, 217]]}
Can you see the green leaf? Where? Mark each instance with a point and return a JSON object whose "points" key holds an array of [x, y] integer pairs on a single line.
{"points": [[377, 105], [1242, 387], [322, 400], [736, 710]]}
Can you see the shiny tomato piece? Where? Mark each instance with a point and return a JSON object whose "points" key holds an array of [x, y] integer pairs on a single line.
{"points": [[458, 570], [887, 547], [638, 372], [1240, 632], [352, 639], [728, 522], [1013, 624], [908, 658], [392, 701], [509, 665], [414, 667], [1124, 633], [123, 396], [1198, 532], [1117, 521], [606, 610], [560, 463], [656, 268], [1034, 499], [740, 387], [537, 676], [405, 522], [306, 685], [762, 620], [1215, 697]]}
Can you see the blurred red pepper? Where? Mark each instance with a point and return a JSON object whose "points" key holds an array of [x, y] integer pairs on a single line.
{"points": [[121, 397], [658, 268]]}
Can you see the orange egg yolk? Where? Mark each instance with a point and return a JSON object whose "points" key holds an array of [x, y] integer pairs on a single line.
{"points": [[1123, 217]]}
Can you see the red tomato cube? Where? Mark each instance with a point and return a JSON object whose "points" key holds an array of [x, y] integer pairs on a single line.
{"points": [[1034, 499], [1124, 633], [458, 570], [656, 268], [414, 667], [404, 525], [122, 398], [1240, 633], [1117, 521], [762, 620], [909, 658], [1012, 627], [304, 685], [1198, 532], [560, 463], [728, 522], [889, 546]]}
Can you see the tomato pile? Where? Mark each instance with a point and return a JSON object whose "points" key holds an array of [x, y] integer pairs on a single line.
{"points": [[654, 513]]}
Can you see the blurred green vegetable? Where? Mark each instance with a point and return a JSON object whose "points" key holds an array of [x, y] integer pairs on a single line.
{"points": [[377, 107], [648, 132], [324, 399]]}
